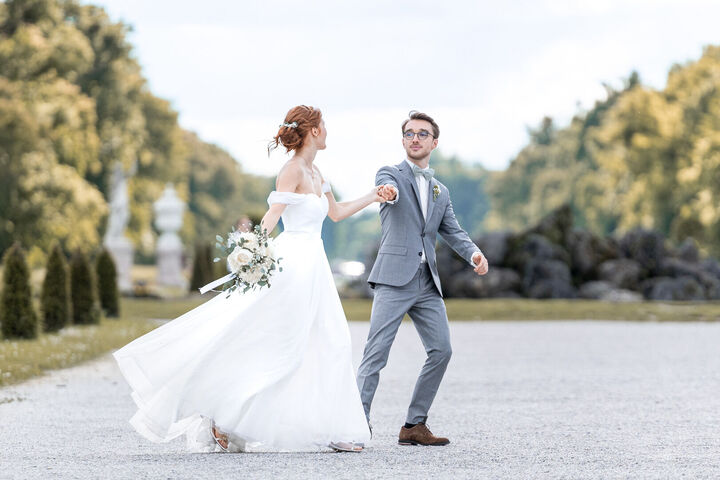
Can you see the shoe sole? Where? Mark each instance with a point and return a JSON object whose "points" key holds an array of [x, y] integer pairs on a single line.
{"points": [[412, 443]]}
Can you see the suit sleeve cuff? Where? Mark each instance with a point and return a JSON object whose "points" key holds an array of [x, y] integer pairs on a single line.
{"points": [[471, 257]]}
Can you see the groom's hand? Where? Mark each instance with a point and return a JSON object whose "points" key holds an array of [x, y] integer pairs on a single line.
{"points": [[389, 192], [481, 263]]}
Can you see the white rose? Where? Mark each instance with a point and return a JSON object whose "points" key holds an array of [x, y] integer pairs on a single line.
{"points": [[234, 237], [239, 257], [252, 276], [251, 242]]}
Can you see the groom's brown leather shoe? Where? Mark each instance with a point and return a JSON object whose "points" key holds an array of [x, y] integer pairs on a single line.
{"points": [[420, 435]]}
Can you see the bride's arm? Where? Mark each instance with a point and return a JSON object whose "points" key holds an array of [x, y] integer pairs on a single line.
{"points": [[287, 181], [272, 216], [340, 210]]}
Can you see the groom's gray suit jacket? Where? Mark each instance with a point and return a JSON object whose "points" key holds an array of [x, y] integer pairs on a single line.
{"points": [[405, 232]]}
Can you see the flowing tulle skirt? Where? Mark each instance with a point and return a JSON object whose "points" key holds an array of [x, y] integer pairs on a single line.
{"points": [[272, 368]]}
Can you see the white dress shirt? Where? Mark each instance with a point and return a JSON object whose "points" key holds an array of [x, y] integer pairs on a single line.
{"points": [[423, 186]]}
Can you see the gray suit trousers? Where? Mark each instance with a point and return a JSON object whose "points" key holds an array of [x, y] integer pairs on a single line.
{"points": [[421, 300]]}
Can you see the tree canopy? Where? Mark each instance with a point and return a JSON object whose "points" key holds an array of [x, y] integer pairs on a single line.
{"points": [[73, 102], [640, 157]]}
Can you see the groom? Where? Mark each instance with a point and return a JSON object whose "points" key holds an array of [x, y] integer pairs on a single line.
{"points": [[405, 275]]}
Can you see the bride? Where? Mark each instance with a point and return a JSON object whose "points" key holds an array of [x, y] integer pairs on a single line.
{"points": [[269, 370]]}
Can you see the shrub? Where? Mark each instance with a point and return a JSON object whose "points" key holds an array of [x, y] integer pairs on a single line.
{"points": [[203, 268], [107, 284], [56, 292], [18, 317], [85, 310]]}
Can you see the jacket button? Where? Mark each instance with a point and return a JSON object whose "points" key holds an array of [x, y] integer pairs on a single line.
{"points": [[422, 235], [420, 254]]}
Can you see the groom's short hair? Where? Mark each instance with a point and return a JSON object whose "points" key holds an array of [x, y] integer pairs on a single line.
{"points": [[415, 115]]}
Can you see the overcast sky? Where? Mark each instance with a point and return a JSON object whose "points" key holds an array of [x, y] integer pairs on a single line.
{"points": [[485, 70]]}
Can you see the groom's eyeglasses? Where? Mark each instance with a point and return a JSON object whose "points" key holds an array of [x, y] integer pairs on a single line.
{"points": [[422, 135]]}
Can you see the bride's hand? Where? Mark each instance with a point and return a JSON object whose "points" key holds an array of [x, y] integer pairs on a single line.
{"points": [[378, 194]]}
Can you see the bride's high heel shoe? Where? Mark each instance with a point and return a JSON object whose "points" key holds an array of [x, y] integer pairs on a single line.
{"points": [[346, 447], [218, 436]]}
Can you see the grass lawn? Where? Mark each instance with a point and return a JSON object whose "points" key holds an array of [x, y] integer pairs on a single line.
{"points": [[23, 359], [460, 309]]}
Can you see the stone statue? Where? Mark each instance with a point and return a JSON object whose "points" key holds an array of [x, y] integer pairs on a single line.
{"points": [[119, 203], [115, 241], [169, 211]]}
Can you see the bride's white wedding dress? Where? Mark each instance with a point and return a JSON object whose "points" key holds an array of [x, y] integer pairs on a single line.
{"points": [[272, 367]]}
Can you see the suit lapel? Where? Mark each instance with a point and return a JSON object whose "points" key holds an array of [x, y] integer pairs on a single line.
{"points": [[405, 168]]}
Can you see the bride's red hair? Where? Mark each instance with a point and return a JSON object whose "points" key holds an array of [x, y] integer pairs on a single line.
{"points": [[292, 137]]}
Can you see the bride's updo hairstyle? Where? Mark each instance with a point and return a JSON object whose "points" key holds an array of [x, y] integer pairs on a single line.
{"points": [[298, 123]]}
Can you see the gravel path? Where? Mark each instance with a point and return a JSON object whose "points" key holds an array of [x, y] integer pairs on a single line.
{"points": [[520, 400]]}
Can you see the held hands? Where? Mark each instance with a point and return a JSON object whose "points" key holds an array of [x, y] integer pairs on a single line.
{"points": [[377, 195], [481, 263], [387, 192]]}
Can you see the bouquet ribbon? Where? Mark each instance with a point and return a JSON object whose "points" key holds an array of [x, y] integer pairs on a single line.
{"points": [[217, 282]]}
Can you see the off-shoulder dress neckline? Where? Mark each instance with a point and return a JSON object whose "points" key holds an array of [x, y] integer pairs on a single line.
{"points": [[324, 188]]}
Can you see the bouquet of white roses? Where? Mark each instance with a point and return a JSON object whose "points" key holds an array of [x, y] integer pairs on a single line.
{"points": [[251, 260]]}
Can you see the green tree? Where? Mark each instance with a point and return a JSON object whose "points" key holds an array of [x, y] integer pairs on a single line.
{"points": [[107, 284], [467, 190], [352, 239], [220, 193], [641, 157], [56, 292], [18, 316], [695, 87], [47, 131], [83, 291], [637, 148], [555, 168], [52, 202], [73, 101]]}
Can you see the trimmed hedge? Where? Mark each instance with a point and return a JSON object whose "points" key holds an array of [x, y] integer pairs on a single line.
{"points": [[107, 284], [18, 318], [203, 267], [85, 309], [55, 297]]}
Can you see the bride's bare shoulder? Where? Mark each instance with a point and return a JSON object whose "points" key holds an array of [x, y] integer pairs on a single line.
{"points": [[289, 174]]}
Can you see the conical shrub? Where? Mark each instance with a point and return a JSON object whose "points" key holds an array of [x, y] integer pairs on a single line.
{"points": [[16, 310], [56, 292], [202, 269], [107, 284], [198, 275], [85, 309]]}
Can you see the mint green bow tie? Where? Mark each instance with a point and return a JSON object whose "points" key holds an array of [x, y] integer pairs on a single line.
{"points": [[425, 172]]}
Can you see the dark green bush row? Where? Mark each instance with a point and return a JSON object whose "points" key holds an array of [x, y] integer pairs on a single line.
{"points": [[69, 293]]}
